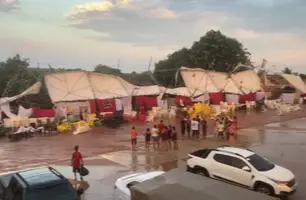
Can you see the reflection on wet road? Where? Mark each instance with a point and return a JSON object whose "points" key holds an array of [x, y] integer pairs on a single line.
{"points": [[109, 156]]}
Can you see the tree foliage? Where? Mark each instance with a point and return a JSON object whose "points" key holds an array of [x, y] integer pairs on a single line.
{"points": [[144, 78], [214, 51], [287, 70]]}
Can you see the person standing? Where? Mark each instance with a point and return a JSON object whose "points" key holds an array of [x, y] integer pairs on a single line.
{"points": [[204, 127], [77, 162], [147, 138], [155, 137], [169, 136], [188, 127], [174, 138], [194, 128], [133, 134], [183, 126]]}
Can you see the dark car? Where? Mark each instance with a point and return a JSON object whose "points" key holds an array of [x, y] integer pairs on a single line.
{"points": [[37, 184]]}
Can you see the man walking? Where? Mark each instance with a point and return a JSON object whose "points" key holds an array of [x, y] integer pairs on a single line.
{"points": [[77, 162]]}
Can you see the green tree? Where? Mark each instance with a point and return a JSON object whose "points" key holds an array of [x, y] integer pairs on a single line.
{"points": [[287, 70], [104, 69], [16, 76], [213, 51], [144, 78]]}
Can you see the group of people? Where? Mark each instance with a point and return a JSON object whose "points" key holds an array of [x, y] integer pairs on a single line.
{"points": [[193, 127], [226, 126], [159, 137]]}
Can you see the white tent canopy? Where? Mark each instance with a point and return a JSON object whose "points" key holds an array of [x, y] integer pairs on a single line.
{"points": [[82, 85], [247, 81], [147, 90], [208, 81], [183, 91], [197, 80], [34, 89], [296, 82]]}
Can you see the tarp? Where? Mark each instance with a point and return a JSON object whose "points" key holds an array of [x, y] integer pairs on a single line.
{"points": [[197, 79], [34, 89], [147, 90], [224, 83], [296, 82], [82, 85], [248, 81], [177, 184], [208, 81], [183, 91]]}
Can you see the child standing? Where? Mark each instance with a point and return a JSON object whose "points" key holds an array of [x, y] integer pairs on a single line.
{"points": [[148, 138], [174, 138], [133, 134]]}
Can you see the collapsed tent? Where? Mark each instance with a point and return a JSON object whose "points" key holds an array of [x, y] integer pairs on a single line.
{"points": [[81, 85], [248, 81], [197, 80], [177, 184], [296, 82], [34, 89]]}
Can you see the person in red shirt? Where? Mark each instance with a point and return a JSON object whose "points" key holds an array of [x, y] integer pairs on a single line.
{"points": [[161, 127], [77, 162], [133, 138]]}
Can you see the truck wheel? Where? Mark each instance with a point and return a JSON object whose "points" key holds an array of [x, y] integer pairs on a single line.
{"points": [[265, 189], [202, 171]]}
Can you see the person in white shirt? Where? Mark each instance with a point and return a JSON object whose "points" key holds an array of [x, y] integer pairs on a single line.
{"points": [[155, 137], [194, 128]]}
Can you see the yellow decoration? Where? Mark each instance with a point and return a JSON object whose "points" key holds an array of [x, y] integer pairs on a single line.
{"points": [[200, 109], [64, 127]]}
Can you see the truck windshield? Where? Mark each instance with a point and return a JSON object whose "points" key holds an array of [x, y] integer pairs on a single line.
{"points": [[59, 192]]}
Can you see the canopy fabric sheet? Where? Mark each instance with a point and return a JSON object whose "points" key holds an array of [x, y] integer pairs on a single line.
{"points": [[247, 81], [198, 80], [147, 90], [296, 82], [177, 184], [22, 112], [224, 83], [183, 91], [34, 89], [81, 85], [208, 81]]}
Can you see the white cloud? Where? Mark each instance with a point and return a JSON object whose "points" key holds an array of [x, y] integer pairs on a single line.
{"points": [[7, 5]]}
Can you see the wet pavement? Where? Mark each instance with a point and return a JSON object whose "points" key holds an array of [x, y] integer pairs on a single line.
{"points": [[109, 156]]}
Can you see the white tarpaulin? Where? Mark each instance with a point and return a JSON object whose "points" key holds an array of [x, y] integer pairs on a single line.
{"points": [[147, 90], [224, 83], [7, 110], [34, 89], [197, 80], [127, 104], [287, 98], [296, 82], [247, 81], [183, 91], [81, 85], [208, 81], [234, 98], [22, 112]]}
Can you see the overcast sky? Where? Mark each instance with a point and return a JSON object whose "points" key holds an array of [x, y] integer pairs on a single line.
{"points": [[83, 33]]}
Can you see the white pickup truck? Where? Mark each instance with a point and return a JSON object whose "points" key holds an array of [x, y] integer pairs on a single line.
{"points": [[244, 168]]}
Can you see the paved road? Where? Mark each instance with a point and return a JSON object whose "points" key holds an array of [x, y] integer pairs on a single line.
{"points": [[284, 144]]}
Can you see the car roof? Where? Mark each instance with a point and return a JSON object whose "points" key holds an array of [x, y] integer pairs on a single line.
{"points": [[122, 182], [234, 150], [41, 177]]}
